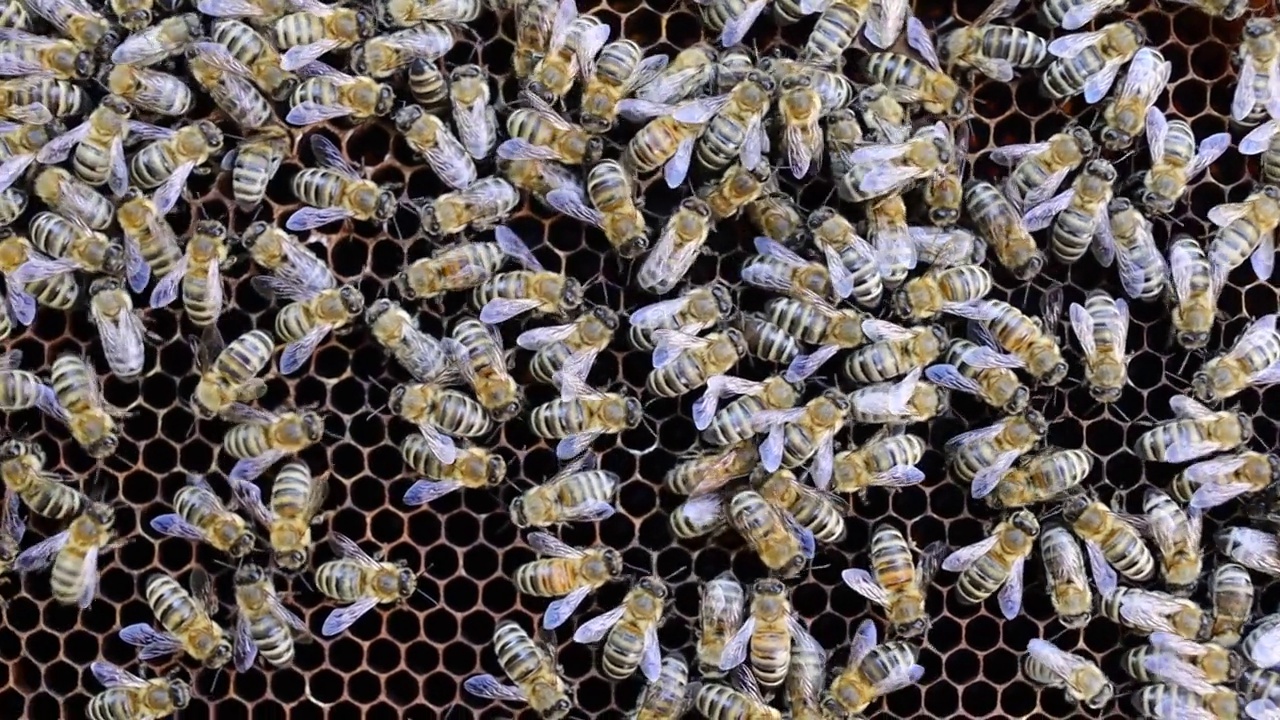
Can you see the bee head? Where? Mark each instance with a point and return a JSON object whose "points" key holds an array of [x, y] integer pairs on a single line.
{"points": [[511, 408], [1201, 388], [103, 447], [960, 105], [351, 298], [1246, 427], [497, 468], [8, 549], [395, 400], [613, 562], [1082, 138], [366, 23], [723, 295], [1274, 462], [939, 336], [357, 60], [1026, 522], [192, 21], [770, 586], [819, 217], [407, 582], [1017, 402], [136, 20], [220, 656], [794, 566], [1155, 203], [918, 626], [944, 216], [380, 307], [242, 545], [1271, 191], [249, 574], [406, 116], [387, 206], [1074, 506], [571, 294], [1037, 422], [837, 398], [654, 586], [1115, 139], [12, 449], [212, 135], [179, 693], [605, 316], [101, 513], [403, 286], [1258, 27], [739, 341], [635, 412], [1102, 697], [313, 425], [1102, 169], [85, 64], [292, 560], [831, 708], [1031, 267], [541, 91]]}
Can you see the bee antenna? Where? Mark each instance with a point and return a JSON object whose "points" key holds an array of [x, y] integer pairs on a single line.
{"points": [[423, 593], [637, 568], [671, 575]]}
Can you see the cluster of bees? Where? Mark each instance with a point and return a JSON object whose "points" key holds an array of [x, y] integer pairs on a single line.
{"points": [[736, 129]]}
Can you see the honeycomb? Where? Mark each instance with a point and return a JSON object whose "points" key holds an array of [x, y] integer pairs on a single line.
{"points": [[410, 661]]}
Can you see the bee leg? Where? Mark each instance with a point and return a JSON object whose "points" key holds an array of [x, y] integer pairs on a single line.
{"points": [[322, 518]]}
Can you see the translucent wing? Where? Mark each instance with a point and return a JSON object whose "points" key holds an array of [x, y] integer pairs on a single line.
{"points": [[949, 376], [899, 476], [88, 578], [173, 525], [735, 29], [705, 408], [803, 366], [251, 468], [572, 204], [488, 686], [735, 650], [1098, 85], [1103, 575], [865, 585], [1211, 148], [669, 344], [1010, 594], [1185, 407], [345, 547], [1147, 77], [878, 330], [962, 558], [249, 497], [170, 191], [1263, 259], [1069, 46], [299, 56], [558, 611], [309, 113], [154, 644], [594, 629], [1157, 133], [884, 23], [11, 524], [440, 445], [986, 479], [499, 310], [1041, 216], [59, 148], [424, 491], [12, 169], [863, 642], [112, 677], [41, 554], [344, 617], [521, 149], [1008, 155], [548, 545], [539, 338], [245, 650], [1243, 100], [986, 357], [21, 303], [297, 353], [515, 248], [1082, 324], [919, 40]]}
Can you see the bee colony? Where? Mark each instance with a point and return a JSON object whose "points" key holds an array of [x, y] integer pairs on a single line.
{"points": [[864, 357]]}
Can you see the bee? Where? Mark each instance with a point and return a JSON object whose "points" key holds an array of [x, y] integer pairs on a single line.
{"points": [[119, 325], [783, 545], [1260, 646], [577, 493], [1040, 478], [894, 351], [20, 145], [734, 123], [1039, 168], [159, 42], [134, 15], [915, 82], [983, 372], [1068, 585], [428, 136], [903, 402], [1125, 117], [13, 203], [259, 12], [534, 22], [360, 580], [890, 237], [620, 69], [1176, 534], [567, 573], [731, 19], [766, 635], [74, 555], [199, 276], [1245, 231], [993, 50], [721, 612], [1081, 680], [800, 108], [1231, 592], [187, 619], [733, 64], [888, 459], [612, 192], [296, 501], [1143, 272], [798, 435], [1254, 359], [1260, 141], [509, 294], [306, 36], [1031, 340], [69, 196], [575, 42], [129, 697], [532, 667], [700, 516], [804, 678], [873, 671], [473, 116], [733, 423], [1101, 326], [482, 206], [229, 373], [722, 702], [1258, 57], [476, 350], [261, 438], [781, 270], [844, 135], [75, 247], [818, 511], [397, 331], [710, 471], [40, 99], [885, 118], [201, 516], [813, 320], [879, 170], [1263, 709], [255, 162], [473, 467], [263, 624], [1210, 483], [943, 191], [736, 189], [1195, 431], [1001, 225], [1194, 665], [439, 412], [1112, 541], [630, 632], [78, 21], [254, 50], [581, 413], [996, 563], [775, 215], [430, 87], [664, 142], [1072, 15], [456, 267], [167, 163], [410, 13], [1254, 549], [688, 72], [895, 583], [325, 94], [1151, 611], [81, 406], [24, 53], [697, 309], [947, 247], [540, 177], [228, 83], [1088, 62], [146, 90], [1174, 701], [683, 362], [682, 240], [44, 493], [590, 333], [667, 697], [954, 290], [336, 191], [1081, 211]]}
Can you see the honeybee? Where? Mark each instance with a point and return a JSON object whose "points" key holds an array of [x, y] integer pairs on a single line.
{"points": [[800, 108], [697, 309], [731, 19], [667, 697], [591, 333], [428, 136], [69, 196], [1143, 272], [993, 50], [78, 21], [783, 545], [1210, 483], [873, 671], [98, 144], [567, 573], [409, 13], [1259, 72], [129, 697], [201, 516], [119, 325], [707, 472], [813, 320], [620, 70], [397, 331], [613, 193], [953, 290], [296, 501], [40, 99], [1081, 211], [263, 624], [255, 162], [903, 402], [1068, 585], [766, 635], [1260, 141], [1088, 62], [1176, 534], [632, 632], [581, 413], [808, 432], [1112, 541], [781, 270], [1079, 679], [325, 94], [820, 512], [360, 580], [1101, 326], [664, 142], [159, 42], [1254, 549], [1196, 666], [737, 188], [228, 83], [187, 619], [879, 170], [721, 612], [532, 667], [1000, 224], [24, 53], [439, 412], [1151, 611], [1125, 117], [734, 123], [843, 135], [259, 12], [1073, 16], [577, 493], [254, 50], [893, 351], [539, 177], [473, 467], [1167, 701], [149, 90], [80, 404], [74, 555], [456, 267], [914, 82], [73, 245], [473, 116], [337, 191], [229, 373], [888, 459], [682, 240], [688, 72], [199, 275], [509, 294], [776, 215], [996, 563], [476, 350], [167, 163], [733, 423], [19, 146], [306, 36], [1043, 477], [1030, 340], [1039, 168], [1260, 644], [1246, 230], [575, 42], [714, 700], [804, 679], [483, 205], [1254, 359], [683, 362], [261, 438], [1231, 591], [981, 371], [44, 493], [1195, 431], [898, 585], [701, 516]]}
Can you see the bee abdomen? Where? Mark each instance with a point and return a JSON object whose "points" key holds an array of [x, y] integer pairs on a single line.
{"points": [[733, 423], [981, 579], [558, 419], [516, 653], [341, 580], [245, 357], [770, 657], [1072, 233], [246, 441], [622, 650], [171, 604]]}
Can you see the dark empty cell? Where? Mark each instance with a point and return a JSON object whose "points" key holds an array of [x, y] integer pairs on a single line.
{"points": [[1103, 438], [350, 397], [461, 530], [368, 144], [347, 655], [441, 560], [172, 555], [44, 705], [331, 362], [440, 625], [996, 98], [946, 501], [904, 702], [460, 658], [327, 686], [141, 487], [636, 496], [250, 686], [424, 527], [25, 674], [594, 695], [348, 463], [978, 698], [809, 599], [641, 26], [286, 685]]}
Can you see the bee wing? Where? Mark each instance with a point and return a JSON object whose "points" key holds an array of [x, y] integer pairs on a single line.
{"points": [[1256, 549], [736, 28], [345, 547], [550, 546], [697, 112], [865, 585], [419, 42], [670, 344], [21, 304], [705, 408], [1009, 155], [1184, 407], [573, 204], [218, 56], [472, 121], [122, 342], [499, 310], [987, 358], [877, 330], [344, 617], [890, 398], [139, 48], [299, 56], [515, 248], [884, 22], [803, 366], [592, 630], [424, 491], [1099, 84], [959, 560], [646, 71], [1266, 647], [112, 676], [328, 156], [539, 338], [559, 610], [755, 144], [309, 113], [1147, 76], [1209, 471], [1157, 127], [299, 351], [166, 290], [488, 686], [566, 13], [863, 642], [57, 149], [899, 476], [948, 376], [735, 649], [11, 523], [1211, 148], [170, 190], [918, 39], [440, 445], [1010, 594], [1243, 100], [251, 468], [986, 479], [230, 8], [820, 471], [1263, 709], [245, 650], [898, 678], [657, 314], [1042, 215], [1263, 259], [249, 497], [88, 579], [13, 168], [1070, 46], [1082, 324], [1061, 663], [521, 149], [173, 525]]}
